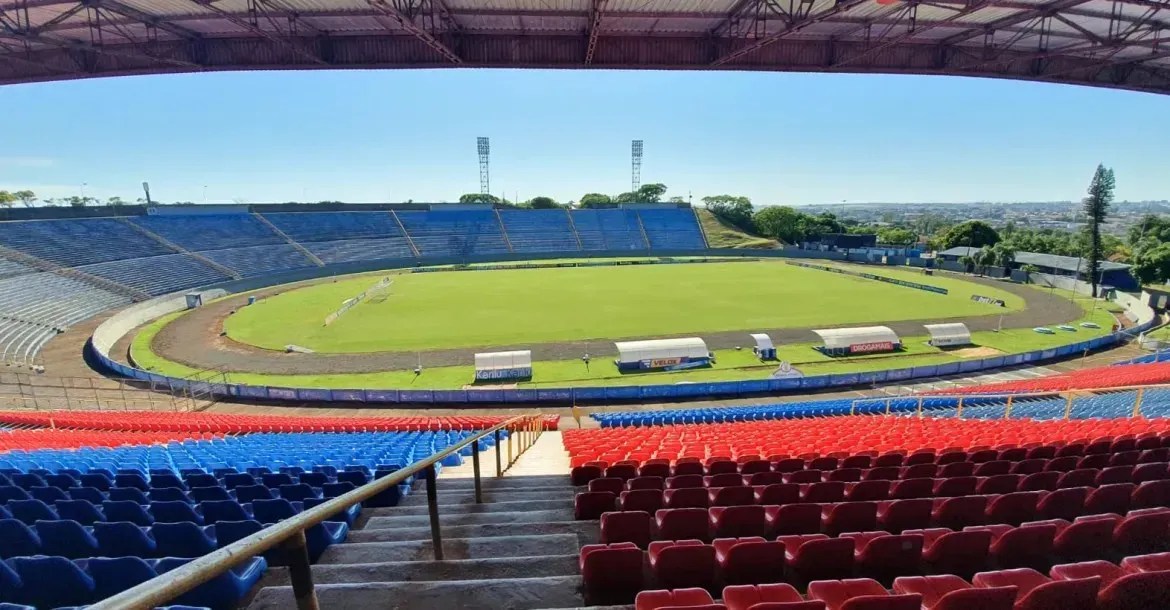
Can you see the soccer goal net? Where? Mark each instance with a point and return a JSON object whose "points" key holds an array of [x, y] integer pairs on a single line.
{"points": [[375, 294]]}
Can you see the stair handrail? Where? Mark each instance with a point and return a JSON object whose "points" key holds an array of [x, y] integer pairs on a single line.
{"points": [[289, 534], [1009, 398]]}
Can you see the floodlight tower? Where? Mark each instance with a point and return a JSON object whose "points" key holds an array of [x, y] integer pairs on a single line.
{"points": [[635, 166], [485, 148]]}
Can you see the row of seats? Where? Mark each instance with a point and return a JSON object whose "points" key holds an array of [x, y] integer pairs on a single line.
{"points": [[591, 504], [1136, 583], [229, 423], [55, 582], [988, 462], [189, 479], [640, 527], [848, 435], [880, 555], [19, 441], [1092, 378], [178, 538]]}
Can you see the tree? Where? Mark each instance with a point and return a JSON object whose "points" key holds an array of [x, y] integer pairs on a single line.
{"points": [[896, 236], [968, 262], [479, 198], [595, 200], [813, 227], [1153, 264], [543, 203], [1150, 227], [627, 197], [115, 202], [651, 193], [26, 197], [1096, 206], [972, 233], [984, 258], [7, 199], [677, 199], [50, 202], [732, 209], [1003, 255], [778, 222]]}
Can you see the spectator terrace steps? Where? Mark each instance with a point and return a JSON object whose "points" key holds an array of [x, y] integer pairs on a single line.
{"points": [[517, 550]]}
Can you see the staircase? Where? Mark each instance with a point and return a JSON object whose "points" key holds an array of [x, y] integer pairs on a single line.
{"points": [[518, 550], [303, 250], [232, 273]]}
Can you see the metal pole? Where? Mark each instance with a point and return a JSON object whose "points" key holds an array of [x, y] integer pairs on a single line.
{"points": [[1137, 405], [475, 470], [511, 435], [959, 415], [1068, 406], [919, 407], [853, 408], [1007, 414], [888, 406], [433, 509], [499, 470], [296, 553]]}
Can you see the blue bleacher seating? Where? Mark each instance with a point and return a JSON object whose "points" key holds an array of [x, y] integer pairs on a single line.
{"points": [[323, 227], [251, 261], [676, 229], [79, 242], [183, 539], [124, 539], [19, 539], [158, 274], [66, 539], [539, 230], [455, 232], [199, 232]]}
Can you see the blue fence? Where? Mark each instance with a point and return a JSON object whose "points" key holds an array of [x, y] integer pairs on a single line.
{"points": [[631, 393]]}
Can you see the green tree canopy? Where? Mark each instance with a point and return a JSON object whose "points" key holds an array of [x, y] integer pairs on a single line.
{"points": [[1152, 265], [972, 233], [595, 200], [732, 209], [778, 222], [26, 197], [7, 199], [543, 203], [479, 198], [896, 236], [1096, 206]]}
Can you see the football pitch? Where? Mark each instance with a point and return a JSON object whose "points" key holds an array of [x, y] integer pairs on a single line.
{"points": [[464, 309]]}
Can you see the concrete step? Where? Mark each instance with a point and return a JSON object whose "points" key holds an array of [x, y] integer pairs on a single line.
{"points": [[466, 508], [412, 521], [430, 571], [418, 497], [490, 480], [453, 548], [502, 594], [586, 531]]}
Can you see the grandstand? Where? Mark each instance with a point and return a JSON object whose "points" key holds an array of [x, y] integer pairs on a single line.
{"points": [[86, 266]]}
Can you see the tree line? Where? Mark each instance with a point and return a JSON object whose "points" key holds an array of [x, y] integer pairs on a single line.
{"points": [[647, 193], [29, 199]]}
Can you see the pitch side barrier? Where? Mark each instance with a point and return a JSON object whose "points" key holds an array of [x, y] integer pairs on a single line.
{"points": [[668, 260], [871, 276], [109, 332]]}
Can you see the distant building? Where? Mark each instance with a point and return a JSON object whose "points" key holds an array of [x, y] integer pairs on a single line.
{"points": [[848, 241], [1112, 274]]}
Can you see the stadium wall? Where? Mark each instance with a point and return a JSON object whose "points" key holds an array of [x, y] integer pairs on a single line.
{"points": [[117, 326]]}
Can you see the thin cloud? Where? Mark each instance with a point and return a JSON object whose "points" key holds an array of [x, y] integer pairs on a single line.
{"points": [[27, 162]]}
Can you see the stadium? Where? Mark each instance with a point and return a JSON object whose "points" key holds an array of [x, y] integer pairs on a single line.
{"points": [[475, 405]]}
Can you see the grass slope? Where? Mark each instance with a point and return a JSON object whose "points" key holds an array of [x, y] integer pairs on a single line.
{"points": [[429, 311], [723, 235]]}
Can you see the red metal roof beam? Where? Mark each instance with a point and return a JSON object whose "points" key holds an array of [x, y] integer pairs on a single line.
{"points": [[595, 15], [407, 23], [796, 27]]}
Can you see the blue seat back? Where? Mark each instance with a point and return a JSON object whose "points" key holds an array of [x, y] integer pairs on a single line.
{"points": [[174, 512], [181, 540], [50, 582], [66, 539], [112, 575], [126, 510], [17, 539], [31, 511], [132, 494], [80, 511], [123, 539]]}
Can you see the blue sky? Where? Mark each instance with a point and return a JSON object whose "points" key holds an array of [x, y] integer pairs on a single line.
{"points": [[397, 135]]}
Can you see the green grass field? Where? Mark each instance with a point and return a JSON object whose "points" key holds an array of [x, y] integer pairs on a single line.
{"points": [[428, 311], [730, 365]]}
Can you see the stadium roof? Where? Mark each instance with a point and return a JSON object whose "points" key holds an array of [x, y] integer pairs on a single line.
{"points": [[1108, 43], [1052, 261]]}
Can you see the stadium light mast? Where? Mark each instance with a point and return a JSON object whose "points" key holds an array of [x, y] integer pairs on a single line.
{"points": [[485, 148], [635, 166]]}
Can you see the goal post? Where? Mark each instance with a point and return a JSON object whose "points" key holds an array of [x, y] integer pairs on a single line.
{"points": [[376, 294]]}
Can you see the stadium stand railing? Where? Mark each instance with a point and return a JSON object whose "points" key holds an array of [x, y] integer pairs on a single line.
{"points": [[291, 536]]}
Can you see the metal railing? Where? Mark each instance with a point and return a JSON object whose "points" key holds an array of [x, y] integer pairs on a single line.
{"points": [[917, 401], [289, 535]]}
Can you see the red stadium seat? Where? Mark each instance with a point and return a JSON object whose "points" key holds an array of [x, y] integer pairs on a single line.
{"points": [[898, 515], [581, 475], [644, 482], [738, 521], [682, 524], [957, 513], [849, 517], [646, 500], [828, 491], [1083, 538], [882, 556], [750, 561], [1039, 481], [1013, 508], [908, 489], [1147, 532], [611, 485], [682, 563], [949, 592], [861, 594], [1154, 562], [780, 493], [627, 527], [949, 552], [867, 491], [679, 598], [744, 597], [1110, 499], [817, 557], [611, 573], [1067, 504], [591, 504], [999, 484], [1038, 592], [1020, 547], [731, 496], [691, 497], [793, 519], [1151, 494]]}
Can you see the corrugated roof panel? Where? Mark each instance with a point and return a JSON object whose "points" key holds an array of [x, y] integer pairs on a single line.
{"points": [[987, 15], [305, 6], [168, 7], [669, 6], [521, 5]]}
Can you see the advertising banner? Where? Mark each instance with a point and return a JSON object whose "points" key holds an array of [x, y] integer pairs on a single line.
{"points": [[282, 393], [382, 395], [349, 395], [872, 347]]}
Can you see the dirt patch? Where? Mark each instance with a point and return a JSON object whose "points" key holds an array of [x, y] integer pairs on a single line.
{"points": [[975, 352], [195, 339]]}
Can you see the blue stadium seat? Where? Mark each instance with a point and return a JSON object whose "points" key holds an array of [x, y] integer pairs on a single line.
{"points": [[224, 591], [174, 512], [31, 511], [314, 479], [168, 494], [135, 480], [66, 539], [298, 493], [97, 481], [63, 481], [80, 511], [9, 493], [182, 539], [162, 481], [89, 494], [132, 494], [112, 575], [227, 532], [51, 582], [17, 539], [127, 510], [124, 539], [48, 495], [207, 494], [224, 510], [249, 493]]}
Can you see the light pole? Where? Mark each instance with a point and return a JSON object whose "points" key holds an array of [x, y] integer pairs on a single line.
{"points": [[83, 185], [204, 193]]}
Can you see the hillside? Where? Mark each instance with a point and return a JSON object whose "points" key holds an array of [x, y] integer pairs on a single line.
{"points": [[722, 235]]}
